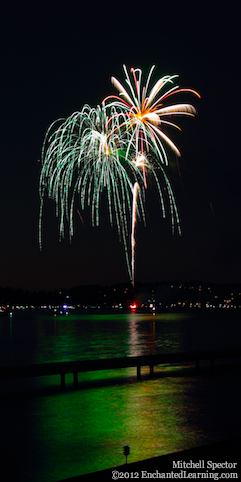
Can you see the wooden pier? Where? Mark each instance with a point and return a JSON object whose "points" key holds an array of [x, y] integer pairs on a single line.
{"points": [[75, 367]]}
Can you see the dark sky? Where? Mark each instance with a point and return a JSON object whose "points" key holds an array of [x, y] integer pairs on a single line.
{"points": [[55, 57]]}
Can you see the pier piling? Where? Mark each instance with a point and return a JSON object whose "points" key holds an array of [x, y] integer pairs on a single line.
{"points": [[75, 379], [62, 381], [138, 372]]}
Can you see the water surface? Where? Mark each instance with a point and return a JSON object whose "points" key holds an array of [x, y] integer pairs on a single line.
{"points": [[51, 435]]}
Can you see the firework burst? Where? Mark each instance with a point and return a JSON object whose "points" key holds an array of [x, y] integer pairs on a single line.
{"points": [[142, 115], [114, 148], [85, 155], [146, 113]]}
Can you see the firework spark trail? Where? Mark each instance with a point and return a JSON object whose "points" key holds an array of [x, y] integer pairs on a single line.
{"points": [[134, 212], [146, 167]]}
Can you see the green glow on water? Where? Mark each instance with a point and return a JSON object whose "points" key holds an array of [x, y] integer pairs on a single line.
{"points": [[57, 435], [89, 428], [131, 316], [94, 335], [86, 316]]}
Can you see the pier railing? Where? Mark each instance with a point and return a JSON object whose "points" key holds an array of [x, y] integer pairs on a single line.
{"points": [[75, 367]]}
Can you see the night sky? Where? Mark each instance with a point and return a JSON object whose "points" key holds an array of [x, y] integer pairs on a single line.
{"points": [[57, 56]]}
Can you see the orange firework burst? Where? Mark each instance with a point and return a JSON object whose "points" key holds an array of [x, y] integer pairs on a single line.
{"points": [[145, 114]]}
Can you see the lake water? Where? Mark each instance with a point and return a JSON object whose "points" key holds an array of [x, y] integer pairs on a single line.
{"points": [[49, 435]]}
